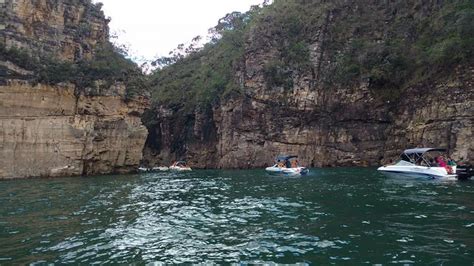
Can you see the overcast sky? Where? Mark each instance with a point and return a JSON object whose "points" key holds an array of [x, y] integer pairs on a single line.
{"points": [[155, 27]]}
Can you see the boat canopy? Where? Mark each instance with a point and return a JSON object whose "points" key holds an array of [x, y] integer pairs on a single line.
{"points": [[416, 156], [282, 158], [422, 150]]}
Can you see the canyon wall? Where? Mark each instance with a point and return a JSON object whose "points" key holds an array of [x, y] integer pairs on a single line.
{"points": [[59, 128], [68, 29], [362, 123], [50, 131], [325, 128]]}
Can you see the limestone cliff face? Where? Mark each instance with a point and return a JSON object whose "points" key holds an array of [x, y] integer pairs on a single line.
{"points": [[337, 128], [68, 29], [440, 113], [338, 125], [50, 131], [63, 129]]}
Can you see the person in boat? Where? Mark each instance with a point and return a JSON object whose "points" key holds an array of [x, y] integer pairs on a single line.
{"points": [[294, 164], [451, 162], [442, 163], [419, 161], [449, 165], [288, 164]]}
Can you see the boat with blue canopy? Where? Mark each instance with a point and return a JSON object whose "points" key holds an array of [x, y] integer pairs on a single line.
{"points": [[287, 165]]}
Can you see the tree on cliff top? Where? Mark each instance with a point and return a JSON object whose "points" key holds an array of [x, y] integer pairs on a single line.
{"points": [[195, 76]]}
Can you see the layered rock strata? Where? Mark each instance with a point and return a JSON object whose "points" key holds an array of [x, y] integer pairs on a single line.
{"points": [[68, 29], [50, 131], [63, 130], [336, 128]]}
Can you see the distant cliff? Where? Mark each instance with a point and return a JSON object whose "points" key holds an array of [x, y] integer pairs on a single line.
{"points": [[339, 83], [69, 101]]}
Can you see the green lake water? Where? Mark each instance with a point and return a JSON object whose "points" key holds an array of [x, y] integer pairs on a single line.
{"points": [[333, 216]]}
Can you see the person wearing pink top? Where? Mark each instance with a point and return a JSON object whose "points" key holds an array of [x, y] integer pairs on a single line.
{"points": [[442, 163]]}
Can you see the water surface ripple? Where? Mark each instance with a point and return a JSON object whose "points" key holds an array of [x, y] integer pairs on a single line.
{"points": [[333, 216]]}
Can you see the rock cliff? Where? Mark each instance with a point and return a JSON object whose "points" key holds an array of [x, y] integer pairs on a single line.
{"points": [[68, 29], [287, 105], [55, 124], [49, 131]]}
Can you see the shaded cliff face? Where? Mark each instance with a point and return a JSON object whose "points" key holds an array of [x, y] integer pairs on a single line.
{"points": [[328, 91], [52, 123]]}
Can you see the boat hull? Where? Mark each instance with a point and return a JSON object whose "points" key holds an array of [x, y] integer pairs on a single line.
{"points": [[154, 169], [298, 171], [180, 169], [161, 168]]}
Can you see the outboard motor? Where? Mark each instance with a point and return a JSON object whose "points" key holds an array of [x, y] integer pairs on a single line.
{"points": [[464, 172]]}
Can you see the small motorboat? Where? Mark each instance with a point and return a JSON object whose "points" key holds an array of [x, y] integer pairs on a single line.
{"points": [[154, 169], [288, 166], [180, 166], [160, 168], [425, 163], [144, 169]]}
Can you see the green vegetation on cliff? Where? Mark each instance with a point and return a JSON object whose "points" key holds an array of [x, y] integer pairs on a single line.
{"points": [[69, 46], [337, 43], [204, 75], [402, 44], [388, 45], [108, 65]]}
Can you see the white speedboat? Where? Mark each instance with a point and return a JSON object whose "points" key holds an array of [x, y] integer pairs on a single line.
{"points": [[421, 162], [160, 168], [180, 166], [143, 169], [287, 166], [154, 169]]}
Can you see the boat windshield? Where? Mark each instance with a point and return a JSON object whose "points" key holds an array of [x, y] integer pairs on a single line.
{"points": [[181, 164], [403, 163]]}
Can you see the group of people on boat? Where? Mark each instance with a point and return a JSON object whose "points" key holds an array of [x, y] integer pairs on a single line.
{"points": [[441, 161], [288, 164]]}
